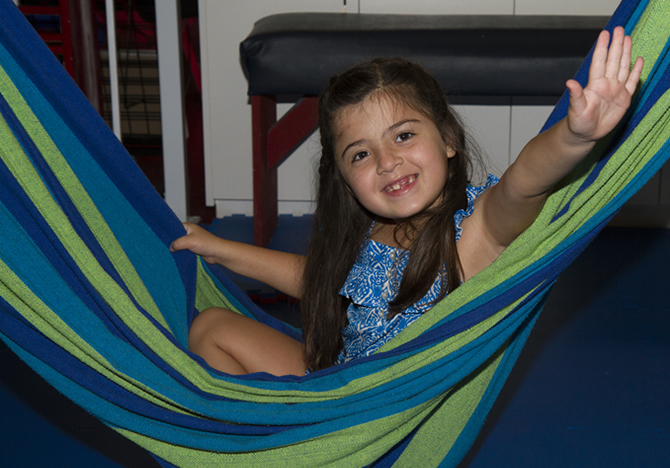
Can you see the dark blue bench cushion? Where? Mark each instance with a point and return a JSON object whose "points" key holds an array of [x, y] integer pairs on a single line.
{"points": [[296, 53]]}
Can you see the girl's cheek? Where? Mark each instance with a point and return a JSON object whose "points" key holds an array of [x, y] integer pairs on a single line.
{"points": [[361, 184]]}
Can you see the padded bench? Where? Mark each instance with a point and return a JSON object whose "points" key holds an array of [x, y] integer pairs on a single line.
{"points": [[291, 57]]}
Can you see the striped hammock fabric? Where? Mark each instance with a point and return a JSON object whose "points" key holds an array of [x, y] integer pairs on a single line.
{"points": [[92, 299]]}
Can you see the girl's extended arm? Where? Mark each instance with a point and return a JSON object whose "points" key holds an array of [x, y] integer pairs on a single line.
{"points": [[281, 270], [508, 208]]}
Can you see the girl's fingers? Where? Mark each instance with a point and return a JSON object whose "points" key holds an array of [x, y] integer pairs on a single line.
{"points": [[185, 241], [176, 245], [189, 227], [634, 76], [612, 60], [615, 52], [624, 68], [599, 59]]}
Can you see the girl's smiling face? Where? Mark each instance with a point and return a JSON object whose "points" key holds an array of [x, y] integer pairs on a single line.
{"points": [[392, 157]]}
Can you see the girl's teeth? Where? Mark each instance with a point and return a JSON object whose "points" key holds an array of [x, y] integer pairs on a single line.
{"points": [[395, 187], [398, 186]]}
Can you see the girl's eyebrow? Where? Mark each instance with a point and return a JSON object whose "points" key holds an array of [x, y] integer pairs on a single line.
{"points": [[399, 124], [386, 132]]}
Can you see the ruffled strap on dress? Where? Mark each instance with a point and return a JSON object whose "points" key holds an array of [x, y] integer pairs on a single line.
{"points": [[473, 193]]}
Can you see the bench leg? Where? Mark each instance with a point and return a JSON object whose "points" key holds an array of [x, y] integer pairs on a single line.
{"points": [[263, 116], [273, 142]]}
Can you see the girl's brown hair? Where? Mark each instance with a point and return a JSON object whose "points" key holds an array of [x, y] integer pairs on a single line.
{"points": [[341, 223]]}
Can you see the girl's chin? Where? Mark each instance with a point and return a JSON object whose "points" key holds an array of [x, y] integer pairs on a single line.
{"points": [[400, 216], [399, 210]]}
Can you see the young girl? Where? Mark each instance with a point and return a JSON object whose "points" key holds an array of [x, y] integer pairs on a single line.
{"points": [[396, 225]]}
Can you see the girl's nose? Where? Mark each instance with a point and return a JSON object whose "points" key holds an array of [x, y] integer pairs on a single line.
{"points": [[387, 161]]}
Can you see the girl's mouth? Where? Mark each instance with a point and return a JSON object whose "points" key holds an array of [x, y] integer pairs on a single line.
{"points": [[400, 184]]}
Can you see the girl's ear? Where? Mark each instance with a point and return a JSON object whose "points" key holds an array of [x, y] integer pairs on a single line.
{"points": [[451, 152]]}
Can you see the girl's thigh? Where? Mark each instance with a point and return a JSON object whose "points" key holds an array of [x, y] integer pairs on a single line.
{"points": [[254, 345]]}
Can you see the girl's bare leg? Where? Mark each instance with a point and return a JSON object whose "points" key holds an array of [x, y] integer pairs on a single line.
{"points": [[236, 344]]}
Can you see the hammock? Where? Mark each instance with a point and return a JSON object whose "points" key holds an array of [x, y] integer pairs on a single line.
{"points": [[92, 299]]}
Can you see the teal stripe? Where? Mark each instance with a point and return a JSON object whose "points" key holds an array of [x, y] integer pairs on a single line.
{"points": [[635, 17]]}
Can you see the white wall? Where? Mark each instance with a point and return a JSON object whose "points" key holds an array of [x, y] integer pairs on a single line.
{"points": [[227, 113], [501, 131]]}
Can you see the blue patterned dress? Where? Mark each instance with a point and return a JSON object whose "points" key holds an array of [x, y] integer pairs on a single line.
{"points": [[374, 281]]}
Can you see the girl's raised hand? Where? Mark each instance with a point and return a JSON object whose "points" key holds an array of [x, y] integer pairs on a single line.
{"points": [[595, 110]]}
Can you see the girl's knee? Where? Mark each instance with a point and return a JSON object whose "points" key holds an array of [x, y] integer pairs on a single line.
{"points": [[206, 325], [236, 344], [209, 333]]}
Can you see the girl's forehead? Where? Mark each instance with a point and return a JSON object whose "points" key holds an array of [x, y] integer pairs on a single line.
{"points": [[376, 103], [378, 107]]}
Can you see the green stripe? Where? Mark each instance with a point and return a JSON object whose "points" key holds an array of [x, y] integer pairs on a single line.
{"points": [[436, 437]]}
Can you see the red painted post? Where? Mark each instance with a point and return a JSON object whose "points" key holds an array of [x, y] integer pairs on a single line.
{"points": [[273, 142], [66, 35], [263, 117]]}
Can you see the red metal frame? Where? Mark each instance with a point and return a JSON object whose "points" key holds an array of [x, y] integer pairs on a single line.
{"points": [[59, 43], [273, 142], [76, 42]]}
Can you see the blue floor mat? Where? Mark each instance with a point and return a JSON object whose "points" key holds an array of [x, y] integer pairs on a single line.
{"points": [[591, 386]]}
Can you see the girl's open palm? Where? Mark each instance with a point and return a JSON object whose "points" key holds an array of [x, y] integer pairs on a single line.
{"points": [[595, 110]]}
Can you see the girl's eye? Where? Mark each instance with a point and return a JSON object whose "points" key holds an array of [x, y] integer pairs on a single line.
{"points": [[360, 155], [404, 136]]}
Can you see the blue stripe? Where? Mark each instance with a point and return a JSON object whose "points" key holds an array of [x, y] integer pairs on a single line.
{"points": [[388, 459]]}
